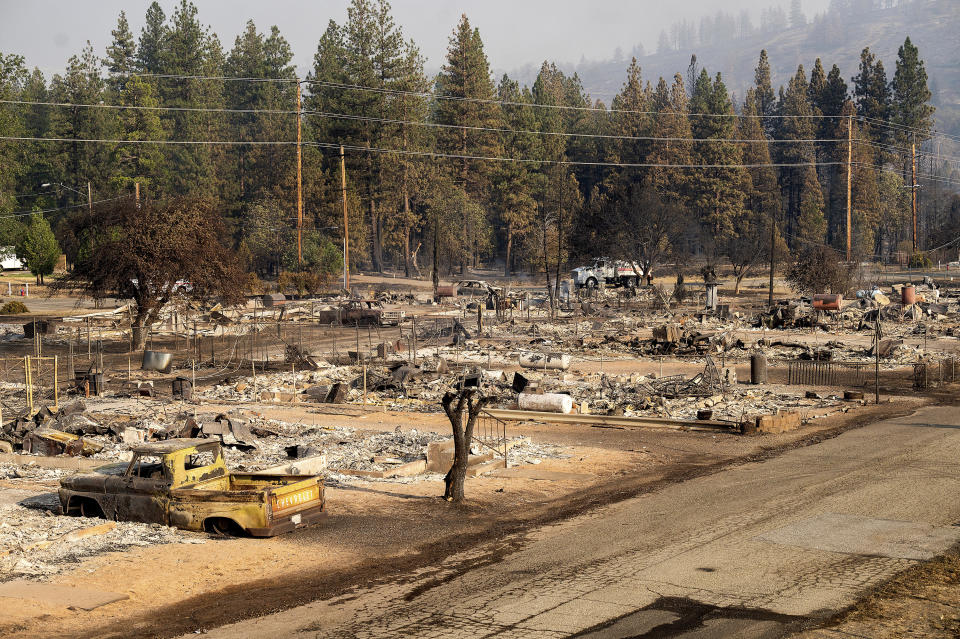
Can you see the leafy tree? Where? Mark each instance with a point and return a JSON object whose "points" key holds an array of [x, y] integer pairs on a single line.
{"points": [[145, 253], [819, 269], [38, 247]]}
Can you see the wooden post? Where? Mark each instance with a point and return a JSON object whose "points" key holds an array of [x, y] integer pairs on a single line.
{"points": [[346, 224], [849, 180], [56, 384], [913, 192], [299, 182]]}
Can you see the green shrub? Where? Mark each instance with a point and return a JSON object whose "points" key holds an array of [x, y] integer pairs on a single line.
{"points": [[14, 308], [920, 260]]}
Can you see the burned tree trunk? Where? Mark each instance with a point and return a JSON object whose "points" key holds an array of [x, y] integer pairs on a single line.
{"points": [[454, 405]]}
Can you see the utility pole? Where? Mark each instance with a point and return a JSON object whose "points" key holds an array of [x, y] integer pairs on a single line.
{"points": [[299, 182], [849, 180], [136, 193], [346, 224], [913, 190], [89, 197], [773, 256]]}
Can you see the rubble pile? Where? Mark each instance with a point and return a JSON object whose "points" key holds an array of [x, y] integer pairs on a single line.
{"points": [[36, 544]]}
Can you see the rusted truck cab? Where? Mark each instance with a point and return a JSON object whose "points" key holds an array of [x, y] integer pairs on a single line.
{"points": [[185, 483]]}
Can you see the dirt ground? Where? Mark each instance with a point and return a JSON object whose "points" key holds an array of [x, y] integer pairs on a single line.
{"points": [[378, 530]]}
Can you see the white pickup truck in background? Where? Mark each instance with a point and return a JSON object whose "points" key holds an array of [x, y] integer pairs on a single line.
{"points": [[607, 272]]}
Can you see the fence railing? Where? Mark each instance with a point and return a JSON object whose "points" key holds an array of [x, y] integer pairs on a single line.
{"points": [[491, 432], [817, 373], [934, 373]]}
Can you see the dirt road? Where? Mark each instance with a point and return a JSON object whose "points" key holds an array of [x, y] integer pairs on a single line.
{"points": [[752, 551]]}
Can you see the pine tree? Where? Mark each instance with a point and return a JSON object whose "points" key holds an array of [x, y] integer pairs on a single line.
{"points": [[513, 183], [799, 184], [671, 121], [261, 171], [762, 207], [76, 163], [407, 168], [872, 96], [151, 48], [12, 76], [466, 74], [715, 193], [911, 109], [121, 58], [189, 49], [138, 162], [766, 99]]}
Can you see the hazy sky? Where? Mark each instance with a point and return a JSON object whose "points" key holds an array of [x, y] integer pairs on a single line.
{"points": [[515, 32]]}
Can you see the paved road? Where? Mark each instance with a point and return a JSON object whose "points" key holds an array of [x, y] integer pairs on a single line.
{"points": [[753, 551]]}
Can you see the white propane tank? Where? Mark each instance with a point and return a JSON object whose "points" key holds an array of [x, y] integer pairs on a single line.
{"points": [[550, 361], [547, 402]]}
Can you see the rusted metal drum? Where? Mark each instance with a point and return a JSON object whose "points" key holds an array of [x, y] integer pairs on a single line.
{"points": [[908, 295], [827, 302], [758, 368]]}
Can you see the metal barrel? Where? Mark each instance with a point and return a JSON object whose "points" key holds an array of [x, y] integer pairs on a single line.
{"points": [[758, 368]]}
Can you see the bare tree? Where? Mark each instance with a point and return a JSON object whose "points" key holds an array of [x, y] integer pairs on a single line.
{"points": [[644, 228], [454, 405]]}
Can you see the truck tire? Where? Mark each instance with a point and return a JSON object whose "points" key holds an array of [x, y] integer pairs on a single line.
{"points": [[592, 282], [85, 507], [223, 526]]}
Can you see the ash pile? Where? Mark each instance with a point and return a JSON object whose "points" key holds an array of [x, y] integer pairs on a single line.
{"points": [[36, 544]]}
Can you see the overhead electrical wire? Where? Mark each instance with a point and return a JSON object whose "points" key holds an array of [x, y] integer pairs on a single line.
{"points": [[323, 114], [149, 108], [62, 208]]}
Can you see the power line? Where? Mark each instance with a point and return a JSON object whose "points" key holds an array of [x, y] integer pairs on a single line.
{"points": [[19, 195], [638, 138], [432, 154], [62, 208], [181, 142], [149, 108]]}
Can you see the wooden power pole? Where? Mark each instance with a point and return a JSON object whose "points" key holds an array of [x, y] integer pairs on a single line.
{"points": [[849, 180], [773, 255], [299, 182], [346, 224], [89, 197], [913, 190], [136, 193]]}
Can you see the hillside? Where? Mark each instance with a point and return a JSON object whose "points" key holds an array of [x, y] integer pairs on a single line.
{"points": [[835, 38]]}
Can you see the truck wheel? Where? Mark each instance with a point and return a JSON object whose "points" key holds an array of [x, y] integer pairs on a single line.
{"points": [[592, 282], [222, 526], [85, 508]]}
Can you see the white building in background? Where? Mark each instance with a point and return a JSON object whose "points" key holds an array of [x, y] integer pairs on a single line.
{"points": [[9, 260]]}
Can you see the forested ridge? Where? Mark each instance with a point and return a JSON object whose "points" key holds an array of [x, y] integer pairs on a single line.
{"points": [[475, 168]]}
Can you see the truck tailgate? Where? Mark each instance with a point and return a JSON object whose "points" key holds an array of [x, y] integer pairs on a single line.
{"points": [[295, 497]]}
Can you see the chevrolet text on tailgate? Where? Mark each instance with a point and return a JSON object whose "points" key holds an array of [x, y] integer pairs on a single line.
{"points": [[185, 483]]}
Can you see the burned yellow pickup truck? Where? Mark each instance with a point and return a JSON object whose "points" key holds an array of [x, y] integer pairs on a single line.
{"points": [[185, 483]]}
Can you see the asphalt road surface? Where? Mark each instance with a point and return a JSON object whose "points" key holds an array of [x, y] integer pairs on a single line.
{"points": [[753, 551]]}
